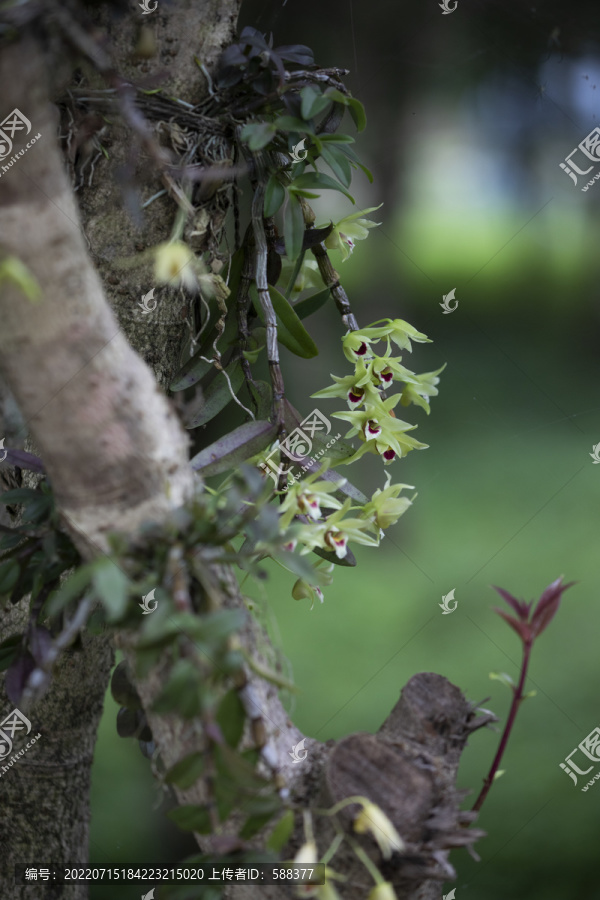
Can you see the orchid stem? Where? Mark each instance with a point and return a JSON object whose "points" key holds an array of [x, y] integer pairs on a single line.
{"points": [[517, 700]]}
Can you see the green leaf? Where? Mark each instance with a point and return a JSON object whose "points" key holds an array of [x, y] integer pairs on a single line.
{"points": [[338, 163], [231, 717], [268, 805], [182, 692], [10, 541], [232, 449], [258, 134], [255, 823], [191, 818], [293, 227], [313, 102], [19, 495], [318, 180], [37, 510], [9, 575], [357, 111], [336, 138], [274, 196], [311, 304], [503, 678], [72, 588], [218, 394], [355, 107], [196, 368], [348, 560], [112, 587], [9, 650], [349, 152], [336, 95], [281, 833], [290, 123], [12, 269], [187, 771], [262, 394], [290, 330], [242, 773]]}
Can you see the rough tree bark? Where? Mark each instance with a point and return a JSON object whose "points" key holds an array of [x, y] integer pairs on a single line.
{"points": [[84, 366]]}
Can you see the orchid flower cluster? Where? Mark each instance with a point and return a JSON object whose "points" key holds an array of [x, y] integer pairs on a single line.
{"points": [[371, 415], [318, 520], [327, 523]]}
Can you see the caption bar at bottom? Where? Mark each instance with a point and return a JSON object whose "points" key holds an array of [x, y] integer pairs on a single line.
{"points": [[259, 873]]}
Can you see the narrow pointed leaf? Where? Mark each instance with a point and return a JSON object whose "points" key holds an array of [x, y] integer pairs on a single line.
{"points": [[274, 196], [338, 163], [187, 771], [348, 560], [523, 629], [111, 586], [282, 832], [234, 448], [23, 460], [218, 394], [72, 588], [289, 319], [258, 134], [357, 111], [313, 102], [318, 180], [196, 368], [291, 123], [311, 304], [231, 718], [262, 395], [290, 330], [191, 818], [520, 607], [548, 605], [350, 153], [293, 227]]}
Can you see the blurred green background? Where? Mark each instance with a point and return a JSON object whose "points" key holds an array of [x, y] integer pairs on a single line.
{"points": [[470, 115]]}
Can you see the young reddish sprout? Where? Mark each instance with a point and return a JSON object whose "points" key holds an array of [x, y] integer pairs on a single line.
{"points": [[528, 626]]}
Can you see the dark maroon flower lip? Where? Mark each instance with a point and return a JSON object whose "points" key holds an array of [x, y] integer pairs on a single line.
{"points": [[353, 397], [386, 375], [373, 427], [389, 453], [361, 350]]}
